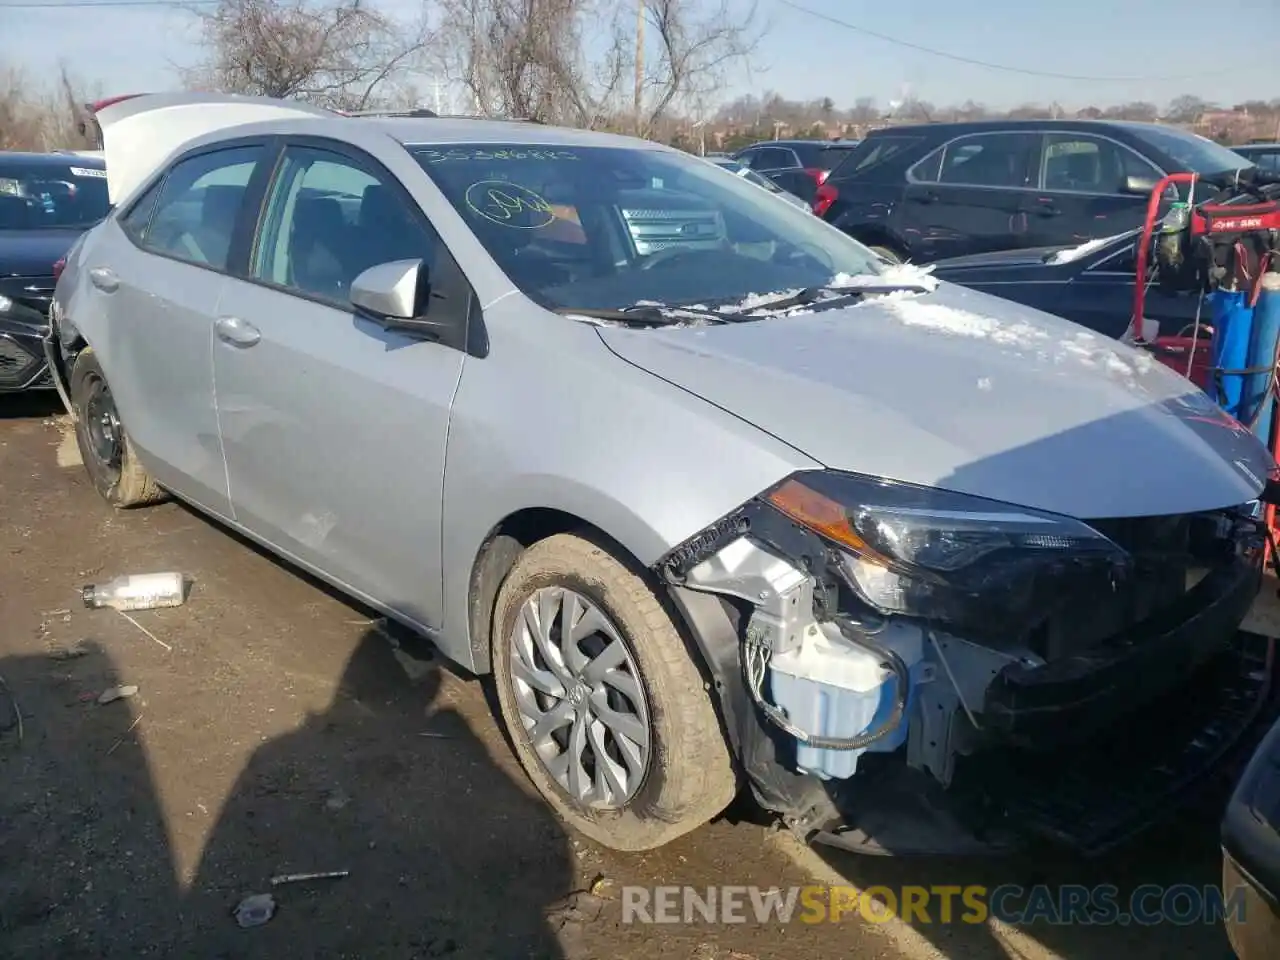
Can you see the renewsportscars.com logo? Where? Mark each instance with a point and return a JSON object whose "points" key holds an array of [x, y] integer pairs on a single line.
{"points": [[1147, 905]]}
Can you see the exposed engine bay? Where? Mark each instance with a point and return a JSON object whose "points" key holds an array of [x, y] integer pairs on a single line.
{"points": [[871, 676]]}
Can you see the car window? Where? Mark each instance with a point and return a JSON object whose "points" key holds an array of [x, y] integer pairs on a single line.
{"points": [[987, 160], [43, 195], [137, 218], [1085, 164], [830, 158], [775, 158], [1193, 152], [328, 219], [1266, 160], [873, 152], [199, 204], [610, 227]]}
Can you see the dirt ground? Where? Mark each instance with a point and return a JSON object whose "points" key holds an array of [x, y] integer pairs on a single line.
{"points": [[276, 730]]}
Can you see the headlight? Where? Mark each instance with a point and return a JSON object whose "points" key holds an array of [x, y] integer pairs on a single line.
{"points": [[5, 304], [990, 567]]}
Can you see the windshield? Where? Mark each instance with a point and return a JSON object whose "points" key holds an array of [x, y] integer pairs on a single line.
{"points": [[41, 195], [1194, 153], [610, 227]]}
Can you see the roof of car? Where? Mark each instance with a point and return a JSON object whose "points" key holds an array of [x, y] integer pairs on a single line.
{"points": [[425, 131], [1133, 126], [801, 141], [50, 159], [1255, 147]]}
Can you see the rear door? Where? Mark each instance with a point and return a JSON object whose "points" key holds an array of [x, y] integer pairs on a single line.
{"points": [[157, 281], [1080, 189], [968, 196], [334, 427]]}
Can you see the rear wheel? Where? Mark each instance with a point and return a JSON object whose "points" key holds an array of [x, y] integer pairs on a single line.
{"points": [[104, 444], [605, 704]]}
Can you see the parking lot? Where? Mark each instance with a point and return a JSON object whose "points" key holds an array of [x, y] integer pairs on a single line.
{"points": [[276, 729]]}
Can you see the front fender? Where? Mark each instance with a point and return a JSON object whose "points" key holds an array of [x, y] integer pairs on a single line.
{"points": [[591, 436]]}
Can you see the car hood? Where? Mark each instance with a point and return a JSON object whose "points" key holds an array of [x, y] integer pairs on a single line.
{"points": [[32, 253], [964, 391], [1028, 257]]}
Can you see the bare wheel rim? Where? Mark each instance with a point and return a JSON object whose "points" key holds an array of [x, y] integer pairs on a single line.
{"points": [[579, 696]]}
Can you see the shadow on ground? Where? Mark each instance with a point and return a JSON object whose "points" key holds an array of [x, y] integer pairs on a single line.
{"points": [[33, 403], [446, 857]]}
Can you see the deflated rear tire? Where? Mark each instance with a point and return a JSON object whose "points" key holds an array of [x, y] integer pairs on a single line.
{"points": [[104, 444], [611, 718]]}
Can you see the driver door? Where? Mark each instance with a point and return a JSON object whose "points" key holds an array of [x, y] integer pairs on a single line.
{"points": [[334, 427]]}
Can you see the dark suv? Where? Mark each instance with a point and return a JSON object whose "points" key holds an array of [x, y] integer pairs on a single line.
{"points": [[931, 191], [1265, 155], [46, 202], [797, 166]]}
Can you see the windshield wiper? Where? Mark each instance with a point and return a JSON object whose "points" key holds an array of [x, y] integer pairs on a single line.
{"points": [[652, 314], [826, 292]]}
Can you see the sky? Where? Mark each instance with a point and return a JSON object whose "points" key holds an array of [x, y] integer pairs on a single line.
{"points": [[1123, 49]]}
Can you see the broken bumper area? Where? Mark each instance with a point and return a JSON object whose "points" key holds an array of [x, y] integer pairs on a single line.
{"points": [[1092, 792], [890, 735]]}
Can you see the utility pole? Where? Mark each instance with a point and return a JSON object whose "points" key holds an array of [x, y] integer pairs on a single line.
{"points": [[639, 92]]}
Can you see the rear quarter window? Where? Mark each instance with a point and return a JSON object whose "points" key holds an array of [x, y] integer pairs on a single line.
{"points": [[870, 157]]}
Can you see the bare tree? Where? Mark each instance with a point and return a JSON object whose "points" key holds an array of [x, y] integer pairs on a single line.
{"points": [[526, 58], [697, 46], [530, 58], [341, 54], [1186, 109], [1137, 110], [35, 116]]}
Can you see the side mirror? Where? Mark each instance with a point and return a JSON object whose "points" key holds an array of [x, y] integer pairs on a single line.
{"points": [[1140, 185], [396, 295], [390, 291]]}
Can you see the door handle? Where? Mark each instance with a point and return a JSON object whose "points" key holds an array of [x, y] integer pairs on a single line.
{"points": [[1046, 208], [928, 196], [104, 279], [236, 332]]}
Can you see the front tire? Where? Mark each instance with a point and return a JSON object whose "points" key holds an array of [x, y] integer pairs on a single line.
{"points": [[885, 253], [613, 720], [105, 448]]}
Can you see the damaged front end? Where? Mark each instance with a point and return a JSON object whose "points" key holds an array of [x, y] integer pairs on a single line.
{"points": [[908, 670]]}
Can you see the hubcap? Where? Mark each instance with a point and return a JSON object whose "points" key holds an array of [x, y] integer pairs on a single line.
{"points": [[578, 693]]}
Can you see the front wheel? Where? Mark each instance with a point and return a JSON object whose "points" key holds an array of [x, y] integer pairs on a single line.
{"points": [[885, 253], [105, 448], [608, 711]]}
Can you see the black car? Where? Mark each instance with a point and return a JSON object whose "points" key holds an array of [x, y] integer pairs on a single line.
{"points": [[797, 166], [46, 202], [928, 191], [1090, 283], [1251, 855], [1265, 155]]}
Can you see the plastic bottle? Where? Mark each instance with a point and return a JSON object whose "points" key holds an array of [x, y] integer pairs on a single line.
{"points": [[141, 591]]}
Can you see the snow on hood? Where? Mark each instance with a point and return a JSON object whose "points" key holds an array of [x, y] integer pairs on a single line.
{"points": [[897, 274], [961, 390], [1083, 250]]}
